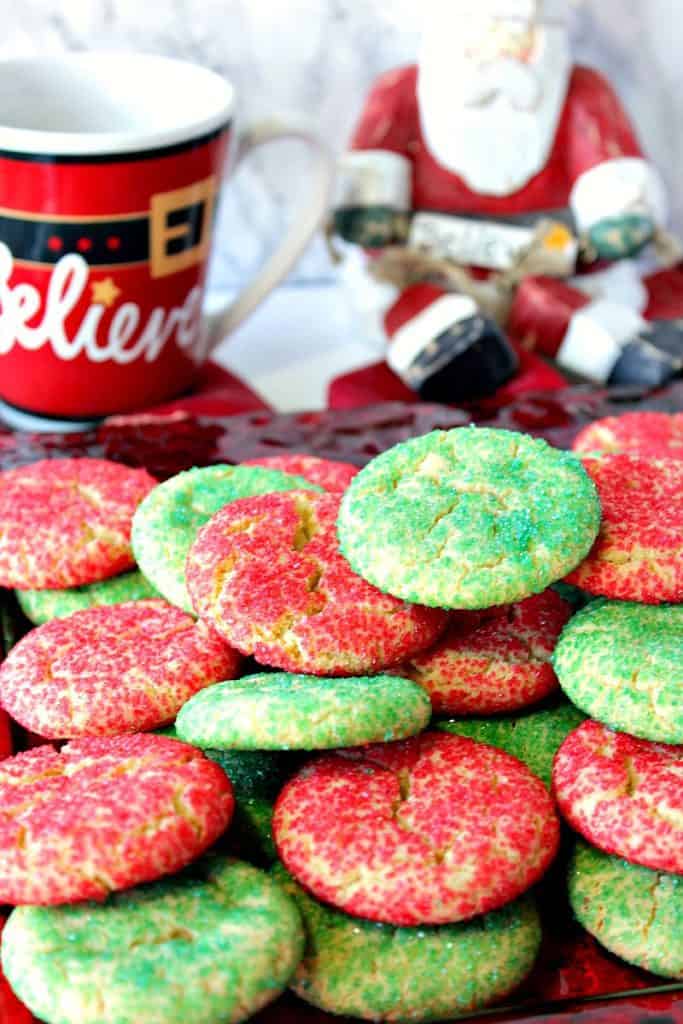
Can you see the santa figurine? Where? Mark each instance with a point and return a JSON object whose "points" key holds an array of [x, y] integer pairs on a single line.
{"points": [[498, 193]]}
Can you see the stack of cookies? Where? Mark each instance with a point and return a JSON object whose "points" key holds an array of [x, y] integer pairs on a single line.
{"points": [[618, 778], [310, 717]]}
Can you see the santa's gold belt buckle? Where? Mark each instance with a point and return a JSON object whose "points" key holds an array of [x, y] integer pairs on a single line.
{"points": [[180, 227]]}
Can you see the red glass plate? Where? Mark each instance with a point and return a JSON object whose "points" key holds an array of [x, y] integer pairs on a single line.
{"points": [[575, 979]]}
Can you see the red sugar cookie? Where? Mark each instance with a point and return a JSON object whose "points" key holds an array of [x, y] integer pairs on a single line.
{"points": [[495, 661], [66, 522], [657, 435], [268, 575], [623, 794], [110, 670], [430, 830], [638, 555], [331, 476], [105, 814]]}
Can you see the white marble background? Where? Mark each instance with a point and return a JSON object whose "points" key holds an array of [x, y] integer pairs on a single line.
{"points": [[319, 57]]}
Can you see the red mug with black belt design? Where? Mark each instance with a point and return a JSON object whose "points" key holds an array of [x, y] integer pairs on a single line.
{"points": [[110, 167]]}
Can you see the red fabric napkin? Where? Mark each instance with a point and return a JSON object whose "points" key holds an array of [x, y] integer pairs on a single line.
{"points": [[216, 393]]}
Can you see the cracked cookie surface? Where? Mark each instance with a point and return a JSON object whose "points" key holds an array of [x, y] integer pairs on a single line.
{"points": [[268, 575], [104, 671], [380, 972], [41, 606], [332, 476], [495, 661], [281, 711], [533, 736], [167, 522], [105, 814], [638, 555], [211, 946], [658, 435], [623, 794], [632, 911], [622, 664], [430, 830], [67, 522], [469, 518]]}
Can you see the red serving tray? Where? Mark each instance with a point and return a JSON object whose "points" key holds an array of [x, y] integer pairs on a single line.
{"points": [[575, 980]]}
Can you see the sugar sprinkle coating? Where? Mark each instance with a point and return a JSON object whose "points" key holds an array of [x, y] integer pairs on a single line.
{"points": [[167, 522], [632, 911], [67, 522], [469, 518], [41, 606], [623, 794], [105, 814], [268, 575], [256, 776], [534, 735], [622, 664], [332, 476], [431, 830], [210, 946], [657, 435], [103, 671], [251, 772], [638, 555], [380, 972], [495, 661], [280, 711]]}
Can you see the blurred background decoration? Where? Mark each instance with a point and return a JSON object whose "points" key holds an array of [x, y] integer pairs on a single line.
{"points": [[320, 57]]}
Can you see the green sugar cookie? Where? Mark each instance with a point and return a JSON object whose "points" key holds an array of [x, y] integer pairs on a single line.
{"points": [[41, 606], [257, 776], [211, 946], [468, 518], [622, 663], [279, 711], [574, 596], [253, 773], [632, 911], [165, 525], [532, 736], [251, 831], [380, 972]]}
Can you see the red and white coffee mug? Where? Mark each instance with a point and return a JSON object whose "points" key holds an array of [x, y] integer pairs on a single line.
{"points": [[110, 166]]}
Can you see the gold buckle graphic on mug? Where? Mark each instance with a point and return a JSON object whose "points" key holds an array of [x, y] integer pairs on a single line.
{"points": [[180, 227]]}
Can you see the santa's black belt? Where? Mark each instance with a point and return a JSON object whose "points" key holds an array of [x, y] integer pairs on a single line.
{"points": [[101, 240]]}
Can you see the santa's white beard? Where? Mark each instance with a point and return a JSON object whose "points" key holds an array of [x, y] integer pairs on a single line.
{"points": [[495, 147]]}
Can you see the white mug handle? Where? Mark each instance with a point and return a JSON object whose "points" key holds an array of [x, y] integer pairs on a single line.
{"points": [[314, 210]]}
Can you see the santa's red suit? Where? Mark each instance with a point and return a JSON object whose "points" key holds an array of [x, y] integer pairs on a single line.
{"points": [[594, 143]]}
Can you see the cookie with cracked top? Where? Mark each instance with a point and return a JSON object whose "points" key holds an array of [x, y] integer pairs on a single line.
{"points": [[622, 664], [214, 944], [496, 661], [469, 518], [431, 830], [167, 522], [105, 814], [623, 794], [67, 522], [380, 972], [266, 572], [110, 670], [638, 555], [632, 911]]}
